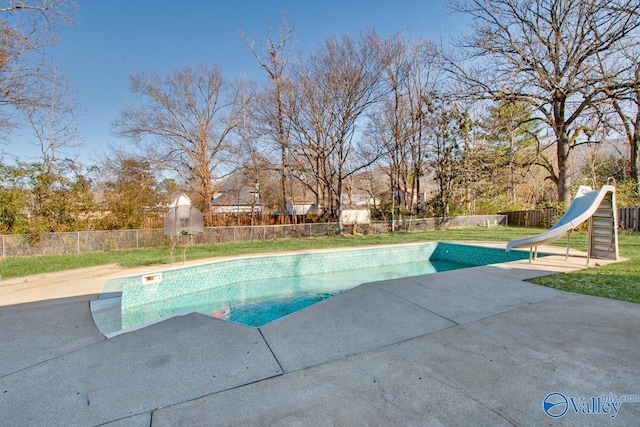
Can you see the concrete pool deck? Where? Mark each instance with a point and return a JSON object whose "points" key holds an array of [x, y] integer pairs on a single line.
{"points": [[479, 346]]}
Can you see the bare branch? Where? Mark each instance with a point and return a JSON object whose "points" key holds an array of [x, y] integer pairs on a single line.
{"points": [[185, 122], [546, 53]]}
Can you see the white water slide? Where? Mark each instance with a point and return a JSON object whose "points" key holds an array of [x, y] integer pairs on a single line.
{"points": [[596, 206]]}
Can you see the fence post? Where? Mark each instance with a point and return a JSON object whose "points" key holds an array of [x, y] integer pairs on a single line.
{"points": [[3, 250], [137, 245], [78, 241]]}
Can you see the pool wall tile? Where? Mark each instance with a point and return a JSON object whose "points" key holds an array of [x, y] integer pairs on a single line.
{"points": [[475, 255], [187, 282]]}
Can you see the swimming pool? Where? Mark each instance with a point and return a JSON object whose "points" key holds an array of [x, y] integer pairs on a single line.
{"points": [[258, 289]]}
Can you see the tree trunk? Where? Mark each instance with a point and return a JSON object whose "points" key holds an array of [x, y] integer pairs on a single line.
{"points": [[564, 179], [562, 150], [339, 206], [283, 186], [340, 186], [635, 160], [416, 187], [634, 141]]}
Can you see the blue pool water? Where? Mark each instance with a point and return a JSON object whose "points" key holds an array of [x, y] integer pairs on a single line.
{"points": [[261, 312], [258, 302], [257, 290]]}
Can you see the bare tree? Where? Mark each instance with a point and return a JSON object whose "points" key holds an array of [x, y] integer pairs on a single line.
{"points": [[309, 114], [185, 122], [411, 74], [626, 105], [393, 119], [27, 29], [545, 53], [254, 167], [600, 163], [273, 57], [54, 123], [348, 72]]}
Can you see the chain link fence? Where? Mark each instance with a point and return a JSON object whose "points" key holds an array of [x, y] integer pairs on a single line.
{"points": [[16, 245]]}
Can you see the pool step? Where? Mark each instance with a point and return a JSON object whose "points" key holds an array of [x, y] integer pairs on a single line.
{"points": [[106, 312]]}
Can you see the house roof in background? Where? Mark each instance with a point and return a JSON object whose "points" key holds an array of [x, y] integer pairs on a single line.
{"points": [[245, 195]]}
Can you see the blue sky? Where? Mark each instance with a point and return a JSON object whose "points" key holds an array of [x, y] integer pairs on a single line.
{"points": [[116, 38]]}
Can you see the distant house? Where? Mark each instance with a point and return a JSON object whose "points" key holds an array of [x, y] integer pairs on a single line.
{"points": [[302, 208], [242, 199], [360, 199]]}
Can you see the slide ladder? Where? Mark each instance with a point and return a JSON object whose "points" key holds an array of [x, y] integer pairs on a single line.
{"points": [[603, 230]]}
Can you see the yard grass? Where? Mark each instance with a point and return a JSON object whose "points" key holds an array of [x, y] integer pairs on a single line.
{"points": [[618, 281], [25, 266]]}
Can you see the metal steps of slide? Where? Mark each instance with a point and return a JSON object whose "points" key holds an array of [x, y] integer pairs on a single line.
{"points": [[603, 237]]}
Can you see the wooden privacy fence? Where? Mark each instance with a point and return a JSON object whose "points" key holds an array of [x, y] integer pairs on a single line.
{"points": [[537, 218], [628, 218]]}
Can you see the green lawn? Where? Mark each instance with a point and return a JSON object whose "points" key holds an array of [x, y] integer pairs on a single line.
{"points": [[25, 266], [619, 281]]}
